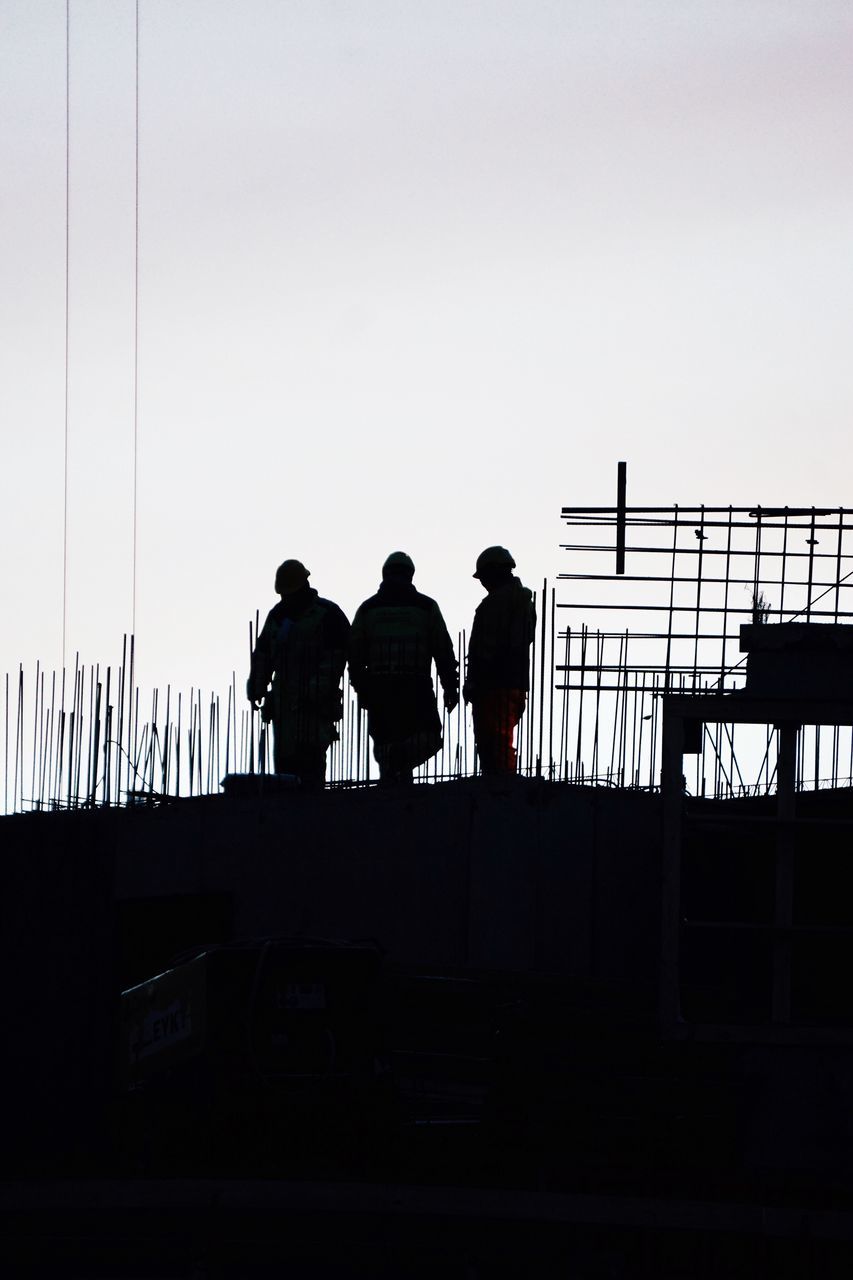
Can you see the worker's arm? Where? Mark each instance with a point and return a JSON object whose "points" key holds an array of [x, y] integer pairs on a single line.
{"points": [[331, 662], [358, 651], [261, 670], [445, 658], [337, 639]]}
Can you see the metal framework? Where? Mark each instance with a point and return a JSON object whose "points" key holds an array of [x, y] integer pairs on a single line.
{"points": [[657, 599]]}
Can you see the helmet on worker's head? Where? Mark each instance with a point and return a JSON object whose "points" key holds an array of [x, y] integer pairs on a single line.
{"points": [[493, 558], [290, 576], [399, 565]]}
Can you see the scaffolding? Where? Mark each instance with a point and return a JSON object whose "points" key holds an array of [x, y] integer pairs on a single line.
{"points": [[658, 599]]}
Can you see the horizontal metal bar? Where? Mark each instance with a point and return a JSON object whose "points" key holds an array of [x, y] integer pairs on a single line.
{"points": [[688, 670], [706, 582], [658, 691], [695, 550], [704, 512], [704, 609], [597, 634]]}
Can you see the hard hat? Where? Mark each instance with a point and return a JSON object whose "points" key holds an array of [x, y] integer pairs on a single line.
{"points": [[494, 558], [290, 576], [399, 562]]}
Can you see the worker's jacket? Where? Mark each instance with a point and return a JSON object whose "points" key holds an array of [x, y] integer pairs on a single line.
{"points": [[396, 636], [302, 649], [499, 645]]}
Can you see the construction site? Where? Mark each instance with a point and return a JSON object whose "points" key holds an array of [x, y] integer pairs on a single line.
{"points": [[594, 1015]]}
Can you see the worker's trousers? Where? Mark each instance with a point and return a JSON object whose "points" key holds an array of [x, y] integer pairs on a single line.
{"points": [[496, 714]]}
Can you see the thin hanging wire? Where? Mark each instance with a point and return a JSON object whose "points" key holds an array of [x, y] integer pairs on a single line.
{"points": [[135, 315], [67, 298]]}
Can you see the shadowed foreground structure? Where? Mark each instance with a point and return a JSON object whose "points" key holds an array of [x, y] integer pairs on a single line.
{"points": [[499, 1093]]}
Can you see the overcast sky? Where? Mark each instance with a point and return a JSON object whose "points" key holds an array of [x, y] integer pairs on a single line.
{"points": [[412, 274]]}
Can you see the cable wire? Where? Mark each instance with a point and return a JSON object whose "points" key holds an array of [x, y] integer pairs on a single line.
{"points": [[135, 318], [67, 296]]}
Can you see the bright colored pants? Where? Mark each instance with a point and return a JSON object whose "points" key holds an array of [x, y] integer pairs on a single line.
{"points": [[496, 714]]}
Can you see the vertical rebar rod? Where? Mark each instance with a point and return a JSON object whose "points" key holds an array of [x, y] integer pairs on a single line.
{"points": [[78, 746], [60, 748], [52, 737], [167, 732], [199, 751], [96, 744], [107, 740], [564, 718], [463, 721], [651, 686], [87, 772], [614, 737], [640, 712], [698, 625], [154, 740], [724, 664], [543, 639], [838, 562], [623, 727], [228, 733], [783, 569], [551, 683], [670, 614], [35, 734], [817, 757], [135, 757], [218, 777], [599, 654], [178, 748], [132, 715], [6, 752], [120, 718], [581, 692], [812, 543], [621, 488], [756, 576]]}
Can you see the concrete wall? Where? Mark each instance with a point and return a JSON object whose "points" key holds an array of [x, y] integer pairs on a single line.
{"points": [[548, 877]]}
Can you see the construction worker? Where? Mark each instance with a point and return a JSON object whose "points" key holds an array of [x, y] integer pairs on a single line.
{"points": [[396, 636], [302, 651], [498, 674]]}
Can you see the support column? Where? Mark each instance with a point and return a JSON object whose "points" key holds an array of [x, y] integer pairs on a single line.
{"points": [[672, 795], [783, 917]]}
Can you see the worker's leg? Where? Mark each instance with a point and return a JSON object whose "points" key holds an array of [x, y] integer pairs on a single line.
{"points": [[496, 714], [311, 766], [306, 760], [394, 765], [283, 752]]}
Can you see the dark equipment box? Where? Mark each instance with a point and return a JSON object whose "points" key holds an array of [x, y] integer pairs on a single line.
{"points": [[249, 1050]]}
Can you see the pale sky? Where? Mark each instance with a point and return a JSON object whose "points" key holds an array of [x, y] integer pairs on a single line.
{"points": [[411, 275]]}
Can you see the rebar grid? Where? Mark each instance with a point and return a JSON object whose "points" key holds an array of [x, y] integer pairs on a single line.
{"points": [[696, 574]]}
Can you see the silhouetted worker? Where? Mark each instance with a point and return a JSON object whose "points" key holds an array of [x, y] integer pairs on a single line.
{"points": [[498, 674], [302, 649], [396, 636]]}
